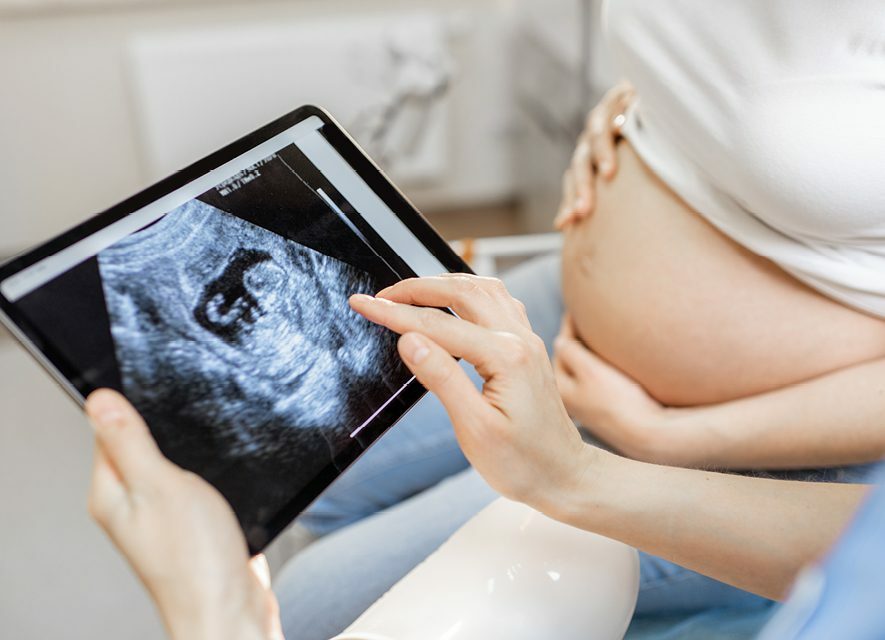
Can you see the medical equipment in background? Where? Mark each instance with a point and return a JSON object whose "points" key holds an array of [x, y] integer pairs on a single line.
{"points": [[512, 573]]}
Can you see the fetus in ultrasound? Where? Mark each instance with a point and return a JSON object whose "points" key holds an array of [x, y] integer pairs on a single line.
{"points": [[239, 348]]}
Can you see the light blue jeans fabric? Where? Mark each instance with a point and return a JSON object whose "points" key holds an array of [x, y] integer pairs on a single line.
{"points": [[413, 489]]}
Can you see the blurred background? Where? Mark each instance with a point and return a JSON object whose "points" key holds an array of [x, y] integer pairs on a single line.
{"points": [[472, 106]]}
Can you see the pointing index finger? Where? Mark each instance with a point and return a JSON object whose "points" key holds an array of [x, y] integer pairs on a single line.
{"points": [[483, 301], [459, 337]]}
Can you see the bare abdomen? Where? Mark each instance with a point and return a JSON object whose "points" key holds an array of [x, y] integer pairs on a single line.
{"points": [[692, 316]]}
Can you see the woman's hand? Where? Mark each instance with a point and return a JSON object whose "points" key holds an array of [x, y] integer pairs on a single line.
{"points": [[177, 532], [594, 154], [515, 432], [605, 401]]}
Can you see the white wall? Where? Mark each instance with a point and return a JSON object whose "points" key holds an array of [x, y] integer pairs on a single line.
{"points": [[59, 577], [68, 126]]}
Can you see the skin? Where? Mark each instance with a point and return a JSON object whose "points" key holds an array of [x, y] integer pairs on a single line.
{"points": [[594, 153], [764, 389], [781, 429], [177, 532], [183, 541], [516, 432]]}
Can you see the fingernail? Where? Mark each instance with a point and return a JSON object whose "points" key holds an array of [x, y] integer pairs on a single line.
{"points": [[416, 349], [373, 300], [108, 417], [361, 297], [605, 167]]}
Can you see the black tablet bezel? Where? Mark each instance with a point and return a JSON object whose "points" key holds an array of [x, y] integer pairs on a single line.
{"points": [[68, 376]]}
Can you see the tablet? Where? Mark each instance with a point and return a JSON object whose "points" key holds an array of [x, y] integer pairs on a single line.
{"points": [[216, 302]]}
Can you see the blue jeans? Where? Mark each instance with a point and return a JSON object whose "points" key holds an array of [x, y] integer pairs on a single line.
{"points": [[413, 489]]}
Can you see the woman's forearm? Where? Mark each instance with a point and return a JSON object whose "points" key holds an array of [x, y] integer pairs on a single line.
{"points": [[750, 532], [832, 420], [753, 533]]}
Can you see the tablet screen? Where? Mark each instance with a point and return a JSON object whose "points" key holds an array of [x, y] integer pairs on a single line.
{"points": [[219, 308]]}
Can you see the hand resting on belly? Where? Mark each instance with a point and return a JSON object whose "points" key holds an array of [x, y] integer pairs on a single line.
{"points": [[693, 317]]}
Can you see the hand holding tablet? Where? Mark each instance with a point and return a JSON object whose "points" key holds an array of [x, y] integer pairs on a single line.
{"points": [[216, 302], [515, 432], [177, 532]]}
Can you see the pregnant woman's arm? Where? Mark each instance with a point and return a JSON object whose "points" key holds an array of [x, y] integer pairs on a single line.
{"points": [[832, 420], [751, 532]]}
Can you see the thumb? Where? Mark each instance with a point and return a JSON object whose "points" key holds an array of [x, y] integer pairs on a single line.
{"points": [[124, 437], [441, 374]]}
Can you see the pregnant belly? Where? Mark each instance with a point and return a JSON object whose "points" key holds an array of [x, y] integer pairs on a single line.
{"points": [[695, 318]]}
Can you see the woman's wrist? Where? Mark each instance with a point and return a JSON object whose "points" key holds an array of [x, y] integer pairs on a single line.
{"points": [[686, 439], [611, 498], [576, 500], [671, 436], [214, 625], [232, 618]]}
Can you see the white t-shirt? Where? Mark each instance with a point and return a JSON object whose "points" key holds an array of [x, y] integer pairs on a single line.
{"points": [[768, 118]]}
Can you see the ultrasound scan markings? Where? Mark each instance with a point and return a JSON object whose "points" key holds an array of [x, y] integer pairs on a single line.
{"points": [[240, 349]]}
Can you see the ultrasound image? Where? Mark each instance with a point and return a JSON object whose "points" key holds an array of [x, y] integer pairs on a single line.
{"points": [[240, 350]]}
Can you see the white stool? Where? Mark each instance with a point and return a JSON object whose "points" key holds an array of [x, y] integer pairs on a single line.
{"points": [[511, 573]]}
